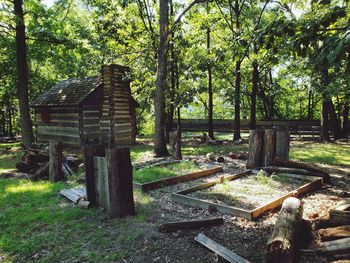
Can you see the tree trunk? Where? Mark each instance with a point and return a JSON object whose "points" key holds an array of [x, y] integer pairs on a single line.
{"points": [[22, 75], [171, 108], [237, 121], [253, 95], [256, 145], [159, 104], [281, 245], [334, 120], [324, 133], [175, 138], [120, 187], [210, 93], [345, 129]]}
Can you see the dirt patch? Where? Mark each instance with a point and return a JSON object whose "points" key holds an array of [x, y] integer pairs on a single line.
{"points": [[249, 192]]}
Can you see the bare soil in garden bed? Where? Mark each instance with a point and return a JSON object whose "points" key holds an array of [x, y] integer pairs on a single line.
{"points": [[249, 192]]}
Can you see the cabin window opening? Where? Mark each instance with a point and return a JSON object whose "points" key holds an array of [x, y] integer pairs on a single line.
{"points": [[45, 114]]}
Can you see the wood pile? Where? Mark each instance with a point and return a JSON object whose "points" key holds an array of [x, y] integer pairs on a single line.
{"points": [[35, 164], [334, 232]]}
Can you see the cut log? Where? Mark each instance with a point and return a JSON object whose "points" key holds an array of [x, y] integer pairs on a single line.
{"points": [[219, 249], [256, 145], [293, 164], [339, 217], [215, 158], [343, 205], [281, 245], [269, 146], [174, 226], [55, 162], [334, 233], [340, 246], [175, 139], [239, 155], [42, 172], [283, 143], [120, 187]]}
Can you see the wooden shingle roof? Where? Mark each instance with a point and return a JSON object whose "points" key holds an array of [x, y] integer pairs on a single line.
{"points": [[70, 92]]}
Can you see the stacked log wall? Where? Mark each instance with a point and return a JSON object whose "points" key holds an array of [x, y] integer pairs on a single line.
{"points": [[62, 125], [116, 122]]}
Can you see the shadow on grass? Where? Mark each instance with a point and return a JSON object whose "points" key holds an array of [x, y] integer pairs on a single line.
{"points": [[36, 223]]}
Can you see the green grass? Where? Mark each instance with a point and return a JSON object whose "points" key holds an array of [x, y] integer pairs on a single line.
{"points": [[10, 154], [156, 173], [332, 154], [140, 151], [36, 222]]}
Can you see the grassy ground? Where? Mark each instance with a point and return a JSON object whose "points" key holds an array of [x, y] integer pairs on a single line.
{"points": [[36, 224], [156, 173], [332, 153]]}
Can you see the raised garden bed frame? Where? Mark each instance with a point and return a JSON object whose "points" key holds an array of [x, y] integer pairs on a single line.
{"points": [[176, 179], [314, 183]]}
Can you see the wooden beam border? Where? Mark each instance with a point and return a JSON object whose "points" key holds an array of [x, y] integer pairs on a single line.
{"points": [[314, 184], [145, 187]]}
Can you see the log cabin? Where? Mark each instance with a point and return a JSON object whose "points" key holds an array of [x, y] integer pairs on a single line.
{"points": [[89, 110]]}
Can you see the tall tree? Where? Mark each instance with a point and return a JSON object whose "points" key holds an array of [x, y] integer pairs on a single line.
{"points": [[22, 71], [210, 91], [160, 148]]}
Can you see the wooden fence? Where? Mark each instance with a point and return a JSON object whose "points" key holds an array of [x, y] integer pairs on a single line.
{"points": [[300, 127]]}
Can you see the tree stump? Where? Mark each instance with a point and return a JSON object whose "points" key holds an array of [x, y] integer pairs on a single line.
{"points": [[175, 139], [120, 188], [269, 146], [280, 247], [55, 161], [256, 145], [283, 143]]}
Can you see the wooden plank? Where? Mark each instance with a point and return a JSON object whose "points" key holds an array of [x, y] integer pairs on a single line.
{"points": [[206, 205], [277, 202], [180, 225], [214, 182], [180, 179], [71, 195], [90, 151], [57, 124], [58, 130], [101, 182], [219, 249]]}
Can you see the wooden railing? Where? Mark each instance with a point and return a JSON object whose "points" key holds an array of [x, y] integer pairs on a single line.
{"points": [[300, 127]]}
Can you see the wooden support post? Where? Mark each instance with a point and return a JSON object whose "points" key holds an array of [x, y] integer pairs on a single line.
{"points": [[269, 146], [89, 152], [55, 161], [120, 188], [175, 139], [256, 145], [280, 247], [283, 143]]}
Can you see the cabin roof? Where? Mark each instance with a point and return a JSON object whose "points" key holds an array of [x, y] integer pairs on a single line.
{"points": [[70, 92]]}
